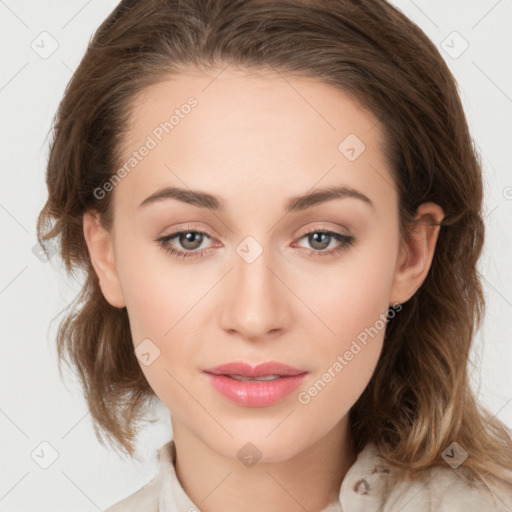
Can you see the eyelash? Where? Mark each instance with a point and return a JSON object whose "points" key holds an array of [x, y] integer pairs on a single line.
{"points": [[344, 242]]}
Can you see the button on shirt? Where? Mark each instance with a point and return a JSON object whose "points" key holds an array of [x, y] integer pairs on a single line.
{"points": [[370, 485]]}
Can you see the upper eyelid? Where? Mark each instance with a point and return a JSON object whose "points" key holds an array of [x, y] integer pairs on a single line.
{"points": [[302, 231], [318, 227]]}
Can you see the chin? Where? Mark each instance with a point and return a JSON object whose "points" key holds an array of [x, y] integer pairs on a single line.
{"points": [[258, 445]]}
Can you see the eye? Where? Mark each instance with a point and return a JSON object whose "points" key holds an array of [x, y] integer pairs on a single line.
{"points": [[321, 238], [191, 241]]}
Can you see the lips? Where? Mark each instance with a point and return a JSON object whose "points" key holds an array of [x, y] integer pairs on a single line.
{"points": [[255, 386], [271, 369]]}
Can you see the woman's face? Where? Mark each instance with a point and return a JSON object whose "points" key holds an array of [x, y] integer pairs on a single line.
{"points": [[256, 280]]}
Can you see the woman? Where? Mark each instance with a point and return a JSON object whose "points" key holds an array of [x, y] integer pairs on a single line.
{"points": [[278, 209]]}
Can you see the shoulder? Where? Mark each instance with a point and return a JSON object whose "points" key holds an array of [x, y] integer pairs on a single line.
{"points": [[163, 492], [372, 484], [146, 499]]}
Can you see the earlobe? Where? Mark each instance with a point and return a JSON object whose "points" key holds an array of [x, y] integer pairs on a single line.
{"points": [[100, 245], [416, 253]]}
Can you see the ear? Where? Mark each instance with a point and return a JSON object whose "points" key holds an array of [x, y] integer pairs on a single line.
{"points": [[416, 254], [101, 251]]}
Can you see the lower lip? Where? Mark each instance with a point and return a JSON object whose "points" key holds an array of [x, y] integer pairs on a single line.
{"points": [[255, 393]]}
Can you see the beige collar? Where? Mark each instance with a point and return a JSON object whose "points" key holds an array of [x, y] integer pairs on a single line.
{"points": [[371, 484]]}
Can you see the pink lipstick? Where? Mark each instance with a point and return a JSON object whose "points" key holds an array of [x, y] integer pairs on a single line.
{"points": [[259, 386]]}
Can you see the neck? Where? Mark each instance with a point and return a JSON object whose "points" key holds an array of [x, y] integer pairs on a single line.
{"points": [[308, 479]]}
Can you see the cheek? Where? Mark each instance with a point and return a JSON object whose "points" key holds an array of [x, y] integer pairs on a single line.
{"points": [[351, 302], [348, 296], [161, 311], [346, 359], [164, 304], [158, 291]]}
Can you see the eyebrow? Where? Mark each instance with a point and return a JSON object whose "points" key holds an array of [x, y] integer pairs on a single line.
{"points": [[294, 204]]}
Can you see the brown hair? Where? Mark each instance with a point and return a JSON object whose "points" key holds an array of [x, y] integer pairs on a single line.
{"points": [[419, 399]]}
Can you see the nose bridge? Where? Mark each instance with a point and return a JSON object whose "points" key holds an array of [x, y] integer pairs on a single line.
{"points": [[255, 303]]}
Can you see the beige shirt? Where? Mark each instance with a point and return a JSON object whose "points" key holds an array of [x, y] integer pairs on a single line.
{"points": [[370, 485]]}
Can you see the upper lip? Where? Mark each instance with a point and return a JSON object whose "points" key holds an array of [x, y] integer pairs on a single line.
{"points": [[261, 370]]}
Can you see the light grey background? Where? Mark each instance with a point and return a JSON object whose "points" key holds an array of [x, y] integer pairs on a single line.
{"points": [[35, 406]]}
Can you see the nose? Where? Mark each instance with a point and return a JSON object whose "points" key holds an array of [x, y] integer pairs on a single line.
{"points": [[255, 302]]}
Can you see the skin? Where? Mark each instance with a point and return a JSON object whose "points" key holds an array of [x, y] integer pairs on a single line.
{"points": [[256, 140]]}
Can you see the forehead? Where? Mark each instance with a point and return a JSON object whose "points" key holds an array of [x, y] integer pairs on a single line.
{"points": [[236, 131]]}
